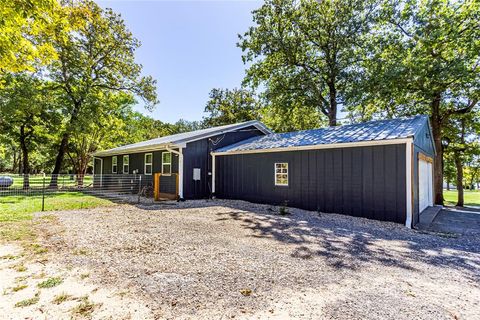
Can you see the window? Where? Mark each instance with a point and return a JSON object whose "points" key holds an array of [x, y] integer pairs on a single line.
{"points": [[281, 174], [166, 162], [126, 164], [114, 164], [148, 163]]}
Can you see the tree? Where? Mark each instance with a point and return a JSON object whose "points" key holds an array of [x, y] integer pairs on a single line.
{"points": [[25, 109], [449, 171], [461, 138], [91, 134], [185, 126], [296, 117], [472, 172], [22, 23], [424, 60], [230, 106], [95, 56], [307, 52]]}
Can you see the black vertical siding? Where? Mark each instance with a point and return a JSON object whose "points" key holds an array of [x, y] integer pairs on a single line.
{"points": [[197, 155], [137, 162], [361, 181]]}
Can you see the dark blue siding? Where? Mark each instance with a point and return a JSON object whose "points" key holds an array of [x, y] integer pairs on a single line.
{"points": [[197, 155], [137, 162], [360, 181]]}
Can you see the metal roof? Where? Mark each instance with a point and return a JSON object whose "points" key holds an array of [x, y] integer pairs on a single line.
{"points": [[368, 131], [181, 139]]}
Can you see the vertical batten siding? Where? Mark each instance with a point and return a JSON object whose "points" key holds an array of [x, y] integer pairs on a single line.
{"points": [[197, 155], [360, 181], [137, 162]]}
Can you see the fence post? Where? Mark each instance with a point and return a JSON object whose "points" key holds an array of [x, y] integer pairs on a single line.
{"points": [[43, 193], [156, 186]]}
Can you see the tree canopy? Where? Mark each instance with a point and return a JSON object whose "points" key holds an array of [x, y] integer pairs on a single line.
{"points": [[229, 106], [306, 53], [424, 59], [22, 23]]}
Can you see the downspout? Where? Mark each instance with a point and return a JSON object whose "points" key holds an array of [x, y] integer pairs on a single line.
{"points": [[213, 175], [180, 170], [409, 177]]}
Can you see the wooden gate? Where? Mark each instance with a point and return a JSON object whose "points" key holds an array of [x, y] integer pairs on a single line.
{"points": [[165, 187]]}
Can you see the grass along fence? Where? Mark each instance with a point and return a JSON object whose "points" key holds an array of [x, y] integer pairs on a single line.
{"points": [[48, 192]]}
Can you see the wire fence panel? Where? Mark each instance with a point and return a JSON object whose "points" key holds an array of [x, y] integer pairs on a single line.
{"points": [[129, 188]]}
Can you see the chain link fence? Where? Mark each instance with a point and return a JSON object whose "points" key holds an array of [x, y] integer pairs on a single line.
{"points": [[127, 188]]}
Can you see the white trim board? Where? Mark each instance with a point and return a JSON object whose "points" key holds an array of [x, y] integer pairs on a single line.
{"points": [[159, 147], [319, 146], [408, 177]]}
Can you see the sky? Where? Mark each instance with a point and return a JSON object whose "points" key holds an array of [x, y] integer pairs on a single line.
{"points": [[189, 47]]}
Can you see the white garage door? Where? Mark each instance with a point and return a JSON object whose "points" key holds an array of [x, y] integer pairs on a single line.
{"points": [[425, 184]]}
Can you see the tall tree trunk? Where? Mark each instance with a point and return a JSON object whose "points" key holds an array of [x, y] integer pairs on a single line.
{"points": [[459, 167], [332, 112], [437, 139], [448, 185], [62, 149], [26, 164], [15, 161], [82, 169]]}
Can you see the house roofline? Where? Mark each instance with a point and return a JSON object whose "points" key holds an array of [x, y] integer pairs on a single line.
{"points": [[318, 146], [151, 148], [182, 143]]}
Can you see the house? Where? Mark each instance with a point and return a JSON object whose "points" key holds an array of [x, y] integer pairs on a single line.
{"points": [[380, 170], [182, 160]]}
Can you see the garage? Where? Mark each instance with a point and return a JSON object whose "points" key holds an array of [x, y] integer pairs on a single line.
{"points": [[378, 170]]}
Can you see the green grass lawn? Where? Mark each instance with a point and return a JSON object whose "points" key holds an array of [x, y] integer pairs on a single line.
{"points": [[16, 212], [471, 198], [36, 181]]}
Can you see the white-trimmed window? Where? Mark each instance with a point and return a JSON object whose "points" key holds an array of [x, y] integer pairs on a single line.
{"points": [[114, 164], [281, 174], [166, 163], [148, 163], [126, 164]]}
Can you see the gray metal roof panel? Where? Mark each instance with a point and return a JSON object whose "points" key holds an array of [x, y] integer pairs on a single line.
{"points": [[367, 131], [182, 137]]}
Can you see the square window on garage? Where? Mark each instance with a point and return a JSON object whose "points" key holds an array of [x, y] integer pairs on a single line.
{"points": [[281, 174]]}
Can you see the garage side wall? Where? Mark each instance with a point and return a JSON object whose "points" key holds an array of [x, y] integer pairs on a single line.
{"points": [[422, 143], [361, 181]]}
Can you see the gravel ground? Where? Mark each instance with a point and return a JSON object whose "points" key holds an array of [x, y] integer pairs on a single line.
{"points": [[233, 259]]}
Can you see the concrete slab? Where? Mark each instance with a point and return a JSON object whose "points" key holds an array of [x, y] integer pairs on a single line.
{"points": [[427, 216], [456, 220]]}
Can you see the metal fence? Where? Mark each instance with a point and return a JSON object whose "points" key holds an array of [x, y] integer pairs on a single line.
{"points": [[129, 188]]}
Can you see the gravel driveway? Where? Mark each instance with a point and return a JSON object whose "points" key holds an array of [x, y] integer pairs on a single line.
{"points": [[233, 259]]}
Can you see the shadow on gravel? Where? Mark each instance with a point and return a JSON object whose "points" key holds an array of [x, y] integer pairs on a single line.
{"points": [[345, 242], [348, 242]]}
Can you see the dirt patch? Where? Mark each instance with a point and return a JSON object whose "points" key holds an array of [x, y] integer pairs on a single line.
{"points": [[233, 259], [32, 287]]}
